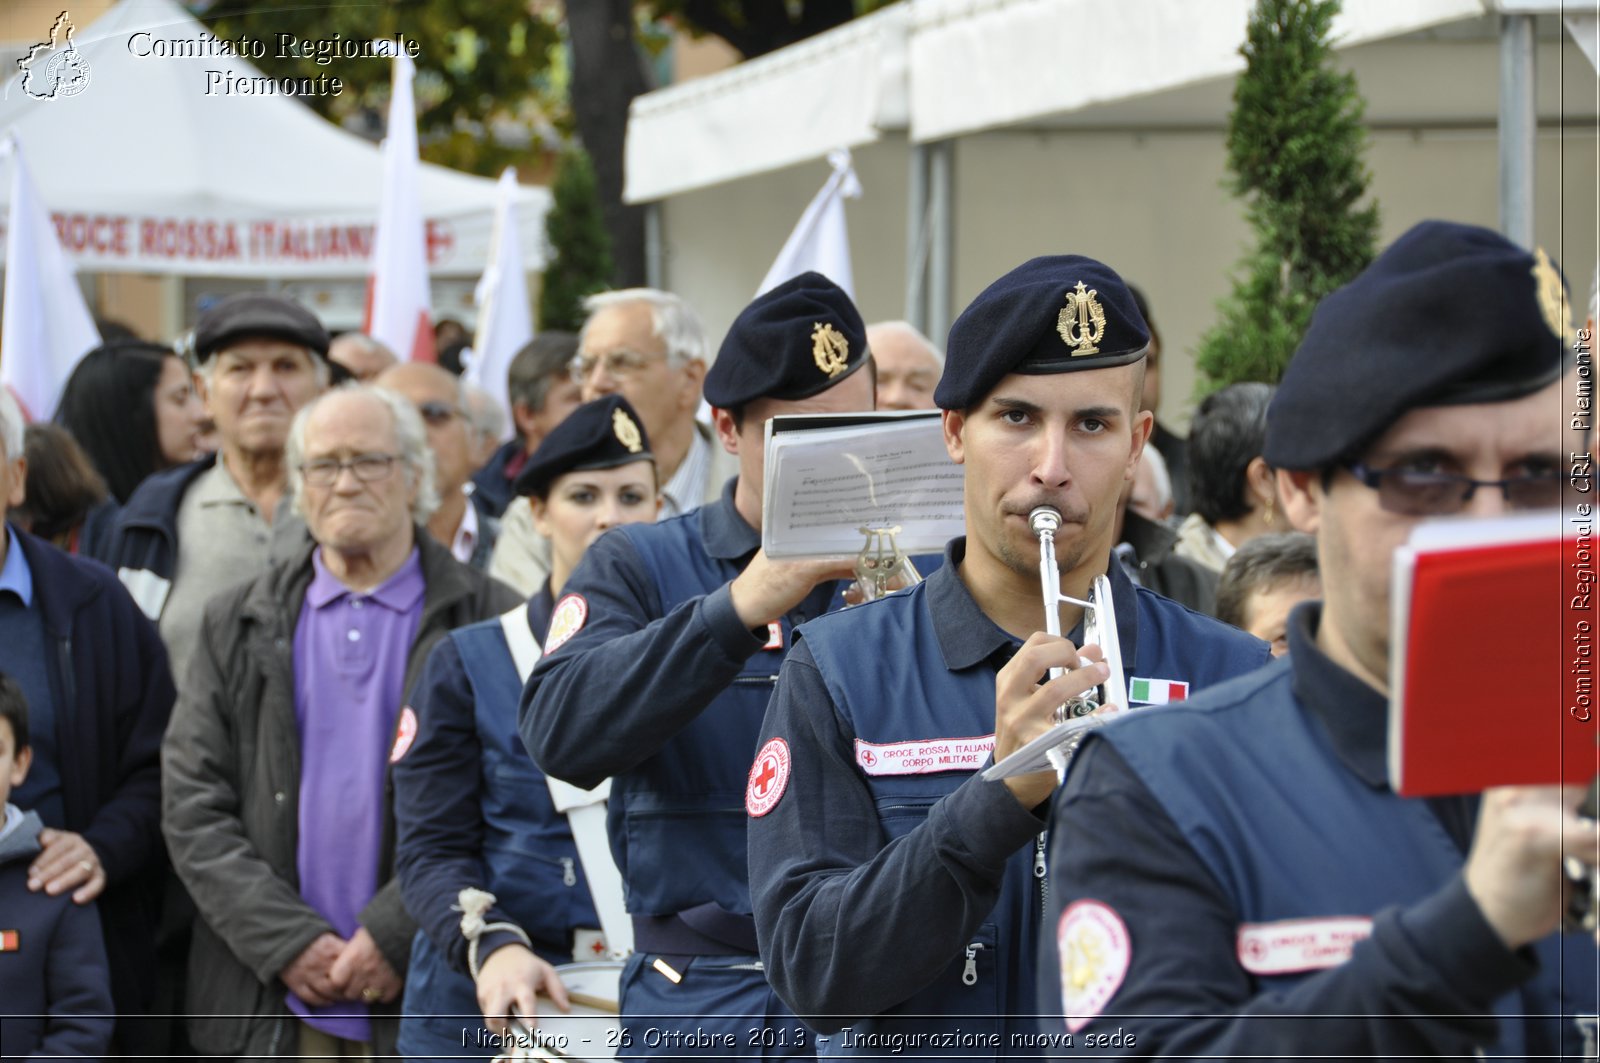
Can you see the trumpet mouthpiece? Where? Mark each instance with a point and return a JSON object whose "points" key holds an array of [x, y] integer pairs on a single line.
{"points": [[1044, 519]]}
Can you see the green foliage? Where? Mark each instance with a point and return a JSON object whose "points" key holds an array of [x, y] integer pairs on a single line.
{"points": [[1295, 150], [581, 260], [469, 81]]}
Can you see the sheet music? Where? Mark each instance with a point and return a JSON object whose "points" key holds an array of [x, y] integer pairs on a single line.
{"points": [[825, 480]]}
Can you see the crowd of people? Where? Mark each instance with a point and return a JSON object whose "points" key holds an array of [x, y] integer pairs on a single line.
{"points": [[334, 724]]}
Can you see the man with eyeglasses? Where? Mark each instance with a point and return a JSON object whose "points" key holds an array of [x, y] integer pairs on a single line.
{"points": [[648, 346], [275, 769], [1235, 877], [459, 522]]}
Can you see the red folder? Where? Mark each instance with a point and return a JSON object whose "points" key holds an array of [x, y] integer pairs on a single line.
{"points": [[1493, 660]]}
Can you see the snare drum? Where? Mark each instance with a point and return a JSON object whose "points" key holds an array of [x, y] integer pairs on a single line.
{"points": [[592, 1030]]}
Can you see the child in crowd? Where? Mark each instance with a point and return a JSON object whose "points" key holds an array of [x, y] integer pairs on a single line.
{"points": [[55, 988]]}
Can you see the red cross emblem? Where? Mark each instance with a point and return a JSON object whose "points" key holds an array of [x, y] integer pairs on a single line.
{"points": [[441, 241], [769, 777], [868, 757]]}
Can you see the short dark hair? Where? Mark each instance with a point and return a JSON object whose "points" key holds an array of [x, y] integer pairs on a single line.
{"points": [[109, 406], [1261, 564], [62, 484], [536, 365], [14, 710], [1227, 434]]}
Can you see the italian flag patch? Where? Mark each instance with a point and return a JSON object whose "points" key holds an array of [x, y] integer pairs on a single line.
{"points": [[1157, 691]]}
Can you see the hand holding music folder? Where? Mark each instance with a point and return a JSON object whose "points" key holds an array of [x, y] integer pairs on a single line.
{"points": [[1491, 662]]}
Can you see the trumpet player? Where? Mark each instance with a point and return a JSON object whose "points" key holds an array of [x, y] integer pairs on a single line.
{"points": [[1240, 879], [896, 892]]}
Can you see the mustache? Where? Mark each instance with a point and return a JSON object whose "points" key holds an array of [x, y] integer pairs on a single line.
{"points": [[1069, 514]]}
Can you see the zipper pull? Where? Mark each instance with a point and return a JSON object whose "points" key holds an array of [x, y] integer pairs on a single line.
{"points": [[569, 873], [1040, 868], [969, 975]]}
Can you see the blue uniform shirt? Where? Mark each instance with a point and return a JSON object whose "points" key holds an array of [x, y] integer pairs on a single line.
{"points": [[889, 879], [1230, 870]]}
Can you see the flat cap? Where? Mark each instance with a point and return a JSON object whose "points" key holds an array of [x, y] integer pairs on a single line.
{"points": [[793, 342], [257, 314], [601, 434], [1054, 314], [1450, 314]]}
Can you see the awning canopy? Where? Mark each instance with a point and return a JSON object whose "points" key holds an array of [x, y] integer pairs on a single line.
{"points": [[151, 167], [982, 64], [838, 89]]}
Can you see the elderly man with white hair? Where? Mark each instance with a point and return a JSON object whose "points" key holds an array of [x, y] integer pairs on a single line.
{"points": [[908, 365], [648, 346], [275, 767]]}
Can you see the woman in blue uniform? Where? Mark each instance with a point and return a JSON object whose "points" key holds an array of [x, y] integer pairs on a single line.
{"points": [[486, 862]]}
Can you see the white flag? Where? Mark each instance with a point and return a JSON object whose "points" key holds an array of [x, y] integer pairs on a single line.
{"points": [[398, 307], [505, 322], [46, 327], [820, 242]]}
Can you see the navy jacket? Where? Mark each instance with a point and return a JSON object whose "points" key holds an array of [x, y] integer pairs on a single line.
{"points": [[886, 842], [1238, 880], [146, 533], [662, 687], [113, 694], [55, 997], [471, 809], [491, 487]]}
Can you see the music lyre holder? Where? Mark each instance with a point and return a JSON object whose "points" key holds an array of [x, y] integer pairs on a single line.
{"points": [[881, 560]]}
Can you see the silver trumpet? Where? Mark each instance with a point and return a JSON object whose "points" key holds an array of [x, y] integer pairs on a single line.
{"points": [[1099, 620], [1072, 720]]}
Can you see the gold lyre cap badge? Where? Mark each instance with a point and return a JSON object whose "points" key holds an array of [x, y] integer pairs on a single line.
{"points": [[829, 349], [627, 432], [1082, 321], [1552, 295]]}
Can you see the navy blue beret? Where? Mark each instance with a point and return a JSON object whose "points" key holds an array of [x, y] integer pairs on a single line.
{"points": [[797, 340], [1055, 314], [1449, 314], [257, 314], [601, 434]]}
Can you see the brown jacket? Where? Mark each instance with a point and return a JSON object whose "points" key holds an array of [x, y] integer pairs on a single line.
{"points": [[230, 802]]}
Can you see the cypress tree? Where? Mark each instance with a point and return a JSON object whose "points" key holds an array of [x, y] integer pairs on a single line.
{"points": [[580, 262], [1295, 153]]}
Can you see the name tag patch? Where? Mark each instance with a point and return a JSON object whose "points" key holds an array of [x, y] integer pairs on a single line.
{"points": [[774, 636], [924, 756], [1295, 945]]}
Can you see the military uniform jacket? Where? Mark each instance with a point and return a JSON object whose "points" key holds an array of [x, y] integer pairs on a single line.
{"points": [[471, 809], [1240, 881], [650, 677], [890, 879]]}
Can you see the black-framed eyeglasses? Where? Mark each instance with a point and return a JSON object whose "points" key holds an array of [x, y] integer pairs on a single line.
{"points": [[368, 468], [1418, 493], [437, 413]]}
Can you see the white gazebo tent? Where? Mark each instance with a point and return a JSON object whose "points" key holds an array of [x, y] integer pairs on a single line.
{"points": [[1005, 128], [150, 168]]}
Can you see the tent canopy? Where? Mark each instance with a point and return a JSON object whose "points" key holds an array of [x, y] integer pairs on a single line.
{"points": [[152, 167]]}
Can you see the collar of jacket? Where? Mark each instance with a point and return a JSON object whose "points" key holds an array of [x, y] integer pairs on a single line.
{"points": [[60, 587], [1151, 541], [275, 602]]}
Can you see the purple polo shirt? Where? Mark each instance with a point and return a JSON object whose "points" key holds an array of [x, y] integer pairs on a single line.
{"points": [[350, 654]]}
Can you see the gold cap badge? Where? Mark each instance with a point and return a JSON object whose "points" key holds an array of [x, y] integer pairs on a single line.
{"points": [[1552, 295], [830, 349], [1082, 321], [627, 432]]}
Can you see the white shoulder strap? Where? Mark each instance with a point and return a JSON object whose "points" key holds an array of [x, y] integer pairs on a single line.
{"points": [[585, 809]]}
